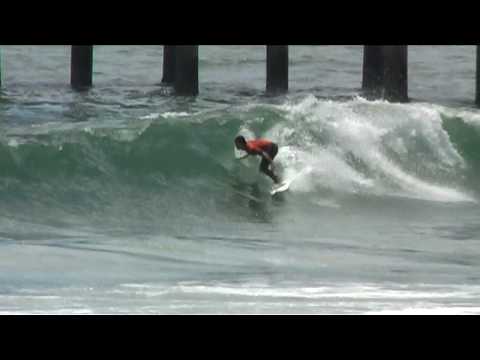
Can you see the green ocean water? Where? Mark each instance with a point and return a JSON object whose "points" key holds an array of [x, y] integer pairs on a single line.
{"points": [[127, 199]]}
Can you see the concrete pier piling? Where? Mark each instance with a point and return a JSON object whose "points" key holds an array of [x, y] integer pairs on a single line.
{"points": [[186, 70], [168, 76], [81, 66], [277, 69], [373, 70], [396, 73], [384, 73], [477, 91]]}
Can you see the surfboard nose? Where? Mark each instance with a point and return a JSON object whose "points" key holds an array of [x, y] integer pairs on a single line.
{"points": [[284, 185]]}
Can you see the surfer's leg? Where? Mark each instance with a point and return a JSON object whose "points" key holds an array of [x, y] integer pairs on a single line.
{"points": [[264, 168], [273, 151]]}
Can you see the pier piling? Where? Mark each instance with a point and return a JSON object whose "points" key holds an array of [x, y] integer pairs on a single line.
{"points": [[81, 66], [186, 70], [277, 68], [396, 73], [373, 69], [168, 64], [477, 96]]}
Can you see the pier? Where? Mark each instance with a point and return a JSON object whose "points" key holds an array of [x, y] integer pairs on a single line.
{"points": [[186, 70], [277, 69], [81, 67], [384, 72], [372, 80], [168, 64], [477, 89]]}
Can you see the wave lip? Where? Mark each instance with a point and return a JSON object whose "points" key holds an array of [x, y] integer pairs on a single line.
{"points": [[373, 147]]}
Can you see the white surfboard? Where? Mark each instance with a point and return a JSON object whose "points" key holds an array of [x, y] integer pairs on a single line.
{"points": [[284, 185]]}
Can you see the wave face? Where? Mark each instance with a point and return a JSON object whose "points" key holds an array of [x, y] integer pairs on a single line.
{"points": [[183, 163]]}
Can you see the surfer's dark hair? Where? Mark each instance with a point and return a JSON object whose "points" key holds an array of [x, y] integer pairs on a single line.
{"points": [[240, 139]]}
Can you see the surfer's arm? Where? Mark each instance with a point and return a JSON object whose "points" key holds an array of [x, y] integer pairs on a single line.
{"points": [[243, 157]]}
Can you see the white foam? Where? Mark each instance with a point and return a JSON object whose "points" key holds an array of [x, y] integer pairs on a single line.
{"points": [[327, 135], [347, 291], [167, 114], [174, 114], [470, 116], [417, 188], [423, 310], [264, 297], [151, 116], [13, 143]]}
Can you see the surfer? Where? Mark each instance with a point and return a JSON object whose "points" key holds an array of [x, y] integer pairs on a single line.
{"points": [[262, 147]]}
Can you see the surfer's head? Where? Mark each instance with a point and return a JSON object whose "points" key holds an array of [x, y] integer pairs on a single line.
{"points": [[240, 142]]}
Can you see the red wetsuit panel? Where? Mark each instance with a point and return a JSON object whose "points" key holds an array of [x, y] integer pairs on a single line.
{"points": [[259, 145]]}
